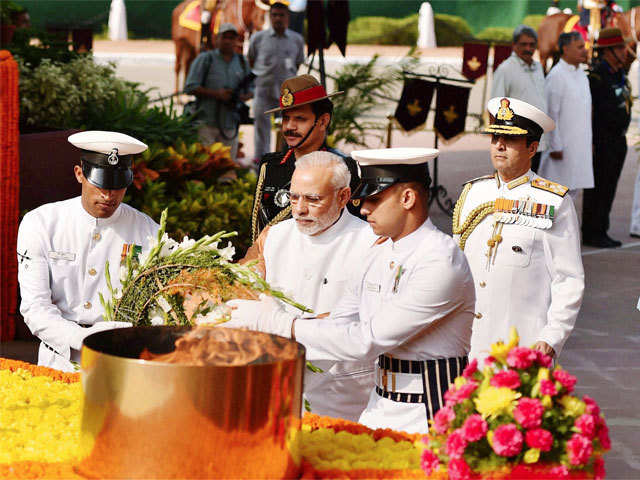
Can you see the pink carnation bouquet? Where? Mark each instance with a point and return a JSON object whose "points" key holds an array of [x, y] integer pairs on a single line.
{"points": [[516, 418]]}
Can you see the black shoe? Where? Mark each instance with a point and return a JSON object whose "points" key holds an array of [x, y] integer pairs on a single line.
{"points": [[615, 243], [600, 241], [634, 235]]}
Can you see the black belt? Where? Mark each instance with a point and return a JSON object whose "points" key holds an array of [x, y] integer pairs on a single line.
{"points": [[400, 396], [436, 374]]}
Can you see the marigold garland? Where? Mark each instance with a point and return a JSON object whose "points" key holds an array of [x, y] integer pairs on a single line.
{"points": [[354, 438]]}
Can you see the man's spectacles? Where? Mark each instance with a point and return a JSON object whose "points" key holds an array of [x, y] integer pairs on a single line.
{"points": [[309, 198]]}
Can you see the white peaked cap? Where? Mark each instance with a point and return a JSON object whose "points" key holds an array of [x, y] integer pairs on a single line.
{"points": [[394, 156], [105, 142], [525, 110]]}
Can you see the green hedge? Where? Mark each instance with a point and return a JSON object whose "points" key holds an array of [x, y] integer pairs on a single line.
{"points": [[533, 21], [450, 30], [496, 34], [383, 31]]}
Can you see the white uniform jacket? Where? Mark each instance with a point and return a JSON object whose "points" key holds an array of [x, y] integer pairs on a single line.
{"points": [[569, 99], [314, 271], [414, 299], [534, 279], [62, 251]]}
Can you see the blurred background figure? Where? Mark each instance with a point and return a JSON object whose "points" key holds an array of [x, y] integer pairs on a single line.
{"points": [[611, 96], [274, 55], [568, 159], [521, 77]]}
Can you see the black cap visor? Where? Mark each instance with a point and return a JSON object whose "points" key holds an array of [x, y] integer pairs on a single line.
{"points": [[368, 188], [376, 178], [107, 178]]}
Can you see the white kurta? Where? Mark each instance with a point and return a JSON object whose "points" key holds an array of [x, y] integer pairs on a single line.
{"points": [[515, 78], [62, 252], [569, 102], [314, 271], [424, 314], [536, 281]]}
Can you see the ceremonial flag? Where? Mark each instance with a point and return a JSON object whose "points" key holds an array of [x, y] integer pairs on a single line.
{"points": [[414, 103], [316, 29], [500, 53], [338, 17], [475, 57], [451, 111], [82, 39]]}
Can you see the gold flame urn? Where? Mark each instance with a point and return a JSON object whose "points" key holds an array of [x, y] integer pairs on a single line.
{"points": [[149, 419]]}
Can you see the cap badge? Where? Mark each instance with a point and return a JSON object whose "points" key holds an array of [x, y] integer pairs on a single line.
{"points": [[504, 112], [287, 98], [113, 157]]}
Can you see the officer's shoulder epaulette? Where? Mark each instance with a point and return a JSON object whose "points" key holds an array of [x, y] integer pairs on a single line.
{"points": [[484, 177], [549, 186]]}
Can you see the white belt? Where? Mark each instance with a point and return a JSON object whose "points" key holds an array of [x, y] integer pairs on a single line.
{"points": [[399, 382]]}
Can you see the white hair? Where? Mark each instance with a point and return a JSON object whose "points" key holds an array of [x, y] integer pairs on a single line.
{"points": [[341, 176]]}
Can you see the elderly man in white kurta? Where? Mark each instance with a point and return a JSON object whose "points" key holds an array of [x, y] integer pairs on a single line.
{"points": [[568, 159], [520, 235], [63, 248], [410, 304], [310, 257]]}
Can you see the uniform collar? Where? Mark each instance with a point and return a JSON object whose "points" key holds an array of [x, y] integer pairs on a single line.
{"points": [[524, 64], [516, 182], [90, 220], [414, 238], [568, 66], [273, 33], [333, 231]]}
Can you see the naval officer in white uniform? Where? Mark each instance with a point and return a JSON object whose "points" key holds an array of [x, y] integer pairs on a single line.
{"points": [[63, 248], [410, 304], [310, 257], [520, 234]]}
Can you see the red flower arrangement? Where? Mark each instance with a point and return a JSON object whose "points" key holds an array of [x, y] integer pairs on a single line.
{"points": [[516, 418]]}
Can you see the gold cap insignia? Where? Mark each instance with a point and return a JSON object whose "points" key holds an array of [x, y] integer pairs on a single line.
{"points": [[287, 98], [504, 112]]}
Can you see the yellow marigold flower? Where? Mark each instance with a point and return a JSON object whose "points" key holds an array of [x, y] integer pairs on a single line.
{"points": [[532, 455], [499, 351], [459, 381], [514, 339], [543, 374], [494, 401], [546, 401], [572, 406]]}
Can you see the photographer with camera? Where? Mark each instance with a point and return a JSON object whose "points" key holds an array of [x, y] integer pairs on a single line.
{"points": [[221, 81]]}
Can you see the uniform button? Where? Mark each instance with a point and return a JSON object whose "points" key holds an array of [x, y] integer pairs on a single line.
{"points": [[87, 305], [478, 315], [97, 236], [92, 271], [483, 284]]}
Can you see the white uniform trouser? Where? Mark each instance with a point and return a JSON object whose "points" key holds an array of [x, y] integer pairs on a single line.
{"points": [[635, 208], [265, 98]]}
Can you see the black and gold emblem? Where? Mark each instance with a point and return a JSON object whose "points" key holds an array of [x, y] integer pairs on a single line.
{"points": [[287, 98]]}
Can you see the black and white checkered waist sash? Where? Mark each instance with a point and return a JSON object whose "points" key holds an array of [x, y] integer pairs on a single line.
{"points": [[417, 381]]}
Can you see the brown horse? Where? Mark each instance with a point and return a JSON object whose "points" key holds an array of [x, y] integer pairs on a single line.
{"points": [[246, 15], [553, 25], [548, 33]]}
